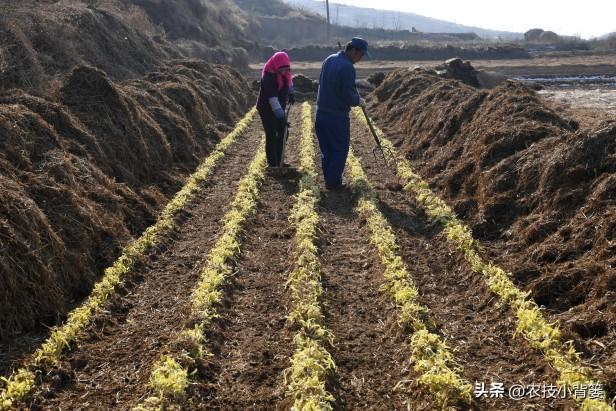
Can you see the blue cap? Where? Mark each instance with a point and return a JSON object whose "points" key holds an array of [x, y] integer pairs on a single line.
{"points": [[361, 45]]}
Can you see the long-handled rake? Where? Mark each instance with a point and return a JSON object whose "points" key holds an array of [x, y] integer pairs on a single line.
{"points": [[384, 155], [286, 136], [281, 170], [380, 152]]}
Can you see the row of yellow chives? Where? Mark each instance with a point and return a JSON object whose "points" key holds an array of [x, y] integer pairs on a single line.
{"points": [[434, 362], [21, 383], [170, 375], [530, 322], [311, 363]]}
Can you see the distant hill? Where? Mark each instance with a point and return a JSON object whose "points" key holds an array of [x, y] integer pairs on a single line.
{"points": [[373, 18], [282, 25]]}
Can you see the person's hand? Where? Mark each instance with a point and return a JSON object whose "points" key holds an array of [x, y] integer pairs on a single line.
{"points": [[362, 102], [282, 122], [292, 98]]}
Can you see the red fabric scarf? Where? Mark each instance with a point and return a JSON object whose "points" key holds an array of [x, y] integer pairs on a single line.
{"points": [[279, 59]]}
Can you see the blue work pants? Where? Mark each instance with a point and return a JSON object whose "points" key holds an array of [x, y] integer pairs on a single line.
{"points": [[334, 135]]}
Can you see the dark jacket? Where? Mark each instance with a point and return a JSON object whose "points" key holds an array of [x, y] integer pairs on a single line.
{"points": [[269, 89], [337, 90]]}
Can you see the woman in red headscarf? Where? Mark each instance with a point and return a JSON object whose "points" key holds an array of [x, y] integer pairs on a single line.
{"points": [[276, 90]]}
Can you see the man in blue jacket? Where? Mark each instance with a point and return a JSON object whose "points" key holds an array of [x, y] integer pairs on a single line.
{"points": [[337, 94]]}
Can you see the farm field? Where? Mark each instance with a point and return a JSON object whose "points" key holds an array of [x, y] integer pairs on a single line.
{"points": [[418, 334], [535, 67], [601, 102], [151, 260]]}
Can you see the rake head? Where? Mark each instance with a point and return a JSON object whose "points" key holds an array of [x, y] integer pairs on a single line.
{"points": [[384, 156]]}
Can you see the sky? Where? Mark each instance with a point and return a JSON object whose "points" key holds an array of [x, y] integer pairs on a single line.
{"points": [[585, 18]]}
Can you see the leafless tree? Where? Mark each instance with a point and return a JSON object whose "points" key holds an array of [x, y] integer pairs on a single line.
{"points": [[397, 24]]}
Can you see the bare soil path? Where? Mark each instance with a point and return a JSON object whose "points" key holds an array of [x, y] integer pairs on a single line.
{"points": [[12, 351], [112, 364], [251, 343], [370, 354], [479, 330]]}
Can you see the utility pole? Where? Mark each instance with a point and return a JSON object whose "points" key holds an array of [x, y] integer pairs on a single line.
{"points": [[328, 28]]}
